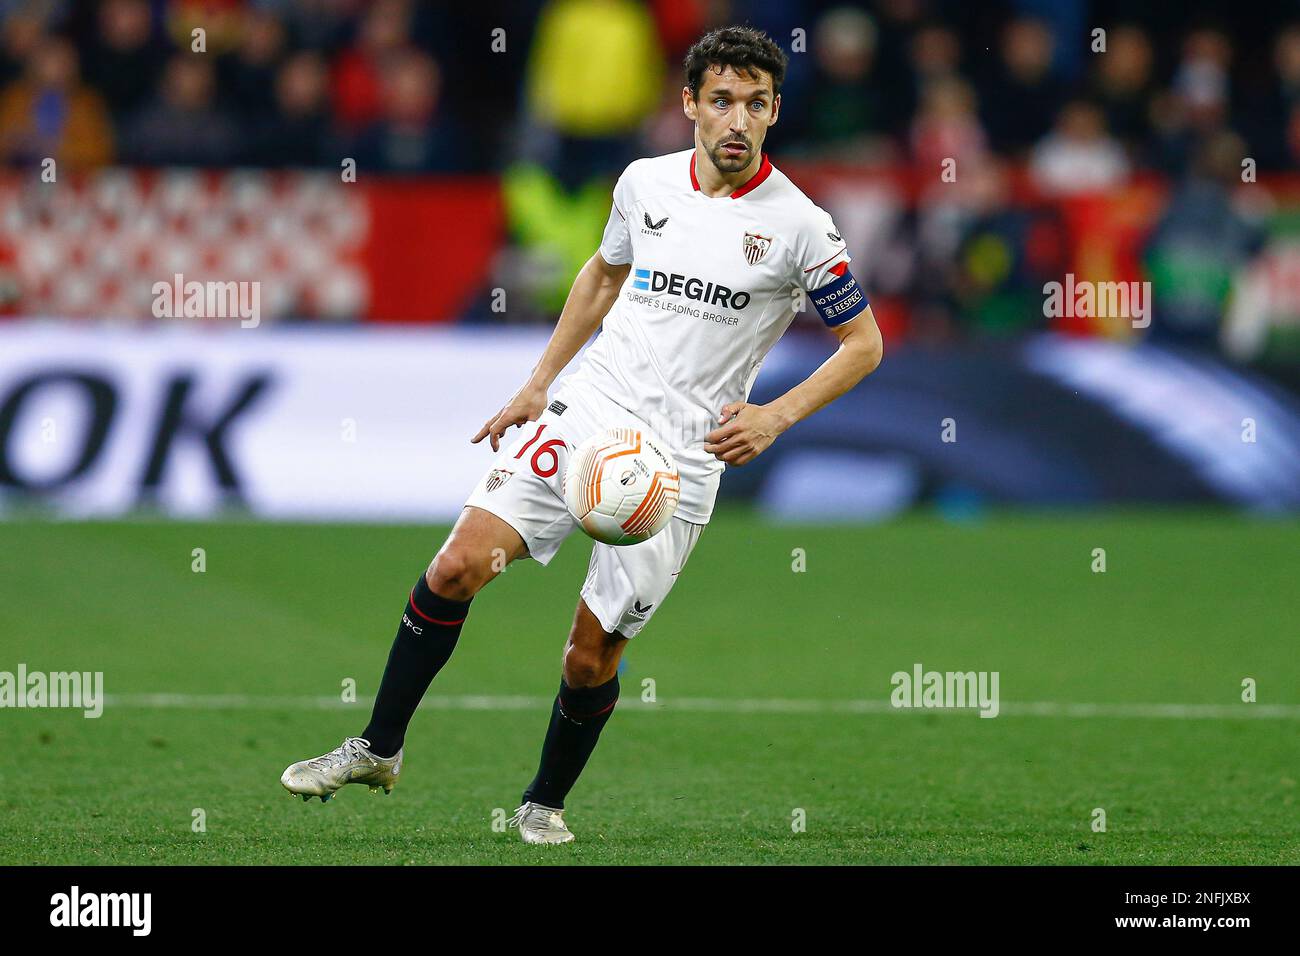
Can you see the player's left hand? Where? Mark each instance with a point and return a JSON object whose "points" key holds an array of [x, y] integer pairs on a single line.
{"points": [[746, 432]]}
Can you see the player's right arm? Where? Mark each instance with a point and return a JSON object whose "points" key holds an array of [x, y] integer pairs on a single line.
{"points": [[593, 294]]}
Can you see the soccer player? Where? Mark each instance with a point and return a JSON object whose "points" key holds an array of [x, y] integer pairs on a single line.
{"points": [[704, 258]]}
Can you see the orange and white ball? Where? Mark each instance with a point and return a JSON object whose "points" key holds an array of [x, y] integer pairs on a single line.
{"points": [[622, 486]]}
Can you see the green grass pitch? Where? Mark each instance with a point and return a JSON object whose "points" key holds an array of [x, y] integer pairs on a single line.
{"points": [[1189, 606]]}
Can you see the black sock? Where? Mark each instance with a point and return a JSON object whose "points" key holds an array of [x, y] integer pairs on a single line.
{"points": [[425, 639], [577, 717]]}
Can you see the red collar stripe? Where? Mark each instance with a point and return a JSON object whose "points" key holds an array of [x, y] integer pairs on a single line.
{"points": [[764, 170]]}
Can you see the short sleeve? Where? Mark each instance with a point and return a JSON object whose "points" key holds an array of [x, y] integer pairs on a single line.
{"points": [[616, 244], [823, 271], [821, 251]]}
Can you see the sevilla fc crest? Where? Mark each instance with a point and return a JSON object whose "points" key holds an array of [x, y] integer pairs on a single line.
{"points": [[496, 478], [755, 247]]}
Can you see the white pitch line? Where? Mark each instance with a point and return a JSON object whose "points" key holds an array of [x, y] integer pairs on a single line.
{"points": [[720, 705]]}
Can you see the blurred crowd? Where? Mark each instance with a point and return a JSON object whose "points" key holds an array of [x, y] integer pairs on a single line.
{"points": [[293, 84], [556, 96], [433, 86]]}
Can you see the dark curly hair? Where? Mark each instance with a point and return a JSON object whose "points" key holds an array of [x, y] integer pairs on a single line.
{"points": [[744, 49]]}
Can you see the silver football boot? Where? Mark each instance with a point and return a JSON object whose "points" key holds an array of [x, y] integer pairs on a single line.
{"points": [[351, 762], [539, 824]]}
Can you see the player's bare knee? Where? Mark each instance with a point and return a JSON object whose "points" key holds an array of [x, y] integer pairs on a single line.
{"points": [[587, 666], [453, 574], [591, 654]]}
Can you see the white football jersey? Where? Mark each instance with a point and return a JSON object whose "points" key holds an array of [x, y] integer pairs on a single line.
{"points": [[712, 287]]}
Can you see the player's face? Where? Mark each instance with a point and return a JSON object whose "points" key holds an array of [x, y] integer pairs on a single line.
{"points": [[732, 115]]}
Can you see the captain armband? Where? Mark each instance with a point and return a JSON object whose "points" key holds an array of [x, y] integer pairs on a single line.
{"points": [[841, 300]]}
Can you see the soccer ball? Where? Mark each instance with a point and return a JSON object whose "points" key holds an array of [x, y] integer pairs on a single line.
{"points": [[622, 486]]}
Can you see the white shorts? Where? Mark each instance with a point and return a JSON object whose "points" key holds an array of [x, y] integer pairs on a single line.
{"points": [[524, 487]]}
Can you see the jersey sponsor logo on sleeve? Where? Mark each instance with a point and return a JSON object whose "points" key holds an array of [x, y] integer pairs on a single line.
{"points": [[755, 247], [557, 407]]}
